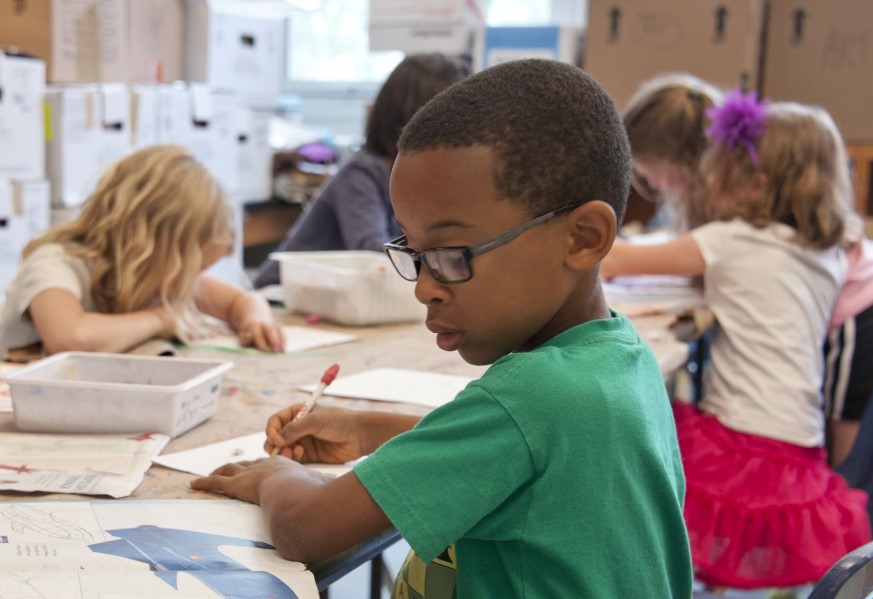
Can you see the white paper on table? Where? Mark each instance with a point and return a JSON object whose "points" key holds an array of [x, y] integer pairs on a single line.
{"points": [[203, 460], [652, 294], [111, 465], [296, 339], [156, 549], [5, 395], [429, 389]]}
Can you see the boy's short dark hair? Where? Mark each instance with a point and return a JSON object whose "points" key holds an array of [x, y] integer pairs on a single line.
{"points": [[556, 133]]}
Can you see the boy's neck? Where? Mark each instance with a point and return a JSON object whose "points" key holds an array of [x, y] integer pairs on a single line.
{"points": [[585, 304]]}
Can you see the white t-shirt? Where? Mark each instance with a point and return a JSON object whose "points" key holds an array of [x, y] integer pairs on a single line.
{"points": [[48, 267], [773, 299]]}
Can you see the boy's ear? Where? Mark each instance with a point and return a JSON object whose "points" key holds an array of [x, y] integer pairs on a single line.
{"points": [[592, 229]]}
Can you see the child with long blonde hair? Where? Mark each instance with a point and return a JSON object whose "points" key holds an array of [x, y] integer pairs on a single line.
{"points": [[763, 508], [129, 268]]}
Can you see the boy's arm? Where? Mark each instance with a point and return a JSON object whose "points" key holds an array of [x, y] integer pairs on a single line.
{"points": [[64, 325], [248, 314], [309, 518], [681, 257]]}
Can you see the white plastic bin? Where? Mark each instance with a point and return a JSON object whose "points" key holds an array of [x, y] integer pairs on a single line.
{"points": [[79, 392], [352, 287]]}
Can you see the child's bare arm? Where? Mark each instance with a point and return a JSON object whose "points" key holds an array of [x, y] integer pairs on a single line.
{"points": [[64, 325], [247, 313], [332, 435], [309, 518], [678, 257]]}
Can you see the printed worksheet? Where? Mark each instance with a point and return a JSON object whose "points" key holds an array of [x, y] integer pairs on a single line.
{"points": [[181, 549], [206, 458], [112, 465]]}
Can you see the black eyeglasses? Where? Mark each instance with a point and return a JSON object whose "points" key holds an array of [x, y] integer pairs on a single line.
{"points": [[452, 264]]}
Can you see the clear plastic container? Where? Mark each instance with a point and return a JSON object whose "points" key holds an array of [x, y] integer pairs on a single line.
{"points": [[80, 392], [352, 287]]}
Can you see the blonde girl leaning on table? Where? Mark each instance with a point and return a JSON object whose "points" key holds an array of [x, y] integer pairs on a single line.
{"points": [[129, 268], [666, 122], [763, 508]]}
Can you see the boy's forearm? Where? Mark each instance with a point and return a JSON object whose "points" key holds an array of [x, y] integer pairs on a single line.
{"points": [[379, 427], [310, 520]]}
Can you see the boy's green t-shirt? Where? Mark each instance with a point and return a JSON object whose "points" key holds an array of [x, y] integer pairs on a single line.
{"points": [[556, 474]]}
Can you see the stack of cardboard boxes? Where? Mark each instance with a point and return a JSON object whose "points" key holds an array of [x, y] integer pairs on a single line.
{"points": [[106, 63], [807, 51]]}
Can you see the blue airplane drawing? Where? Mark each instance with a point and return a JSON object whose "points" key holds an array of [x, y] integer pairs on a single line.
{"points": [[169, 551]]}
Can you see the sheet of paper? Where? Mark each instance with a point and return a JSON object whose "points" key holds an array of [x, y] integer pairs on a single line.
{"points": [[203, 460], [395, 384], [296, 339], [111, 465], [6, 368], [156, 549]]}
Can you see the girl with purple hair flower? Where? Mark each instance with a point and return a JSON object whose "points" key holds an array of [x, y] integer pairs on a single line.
{"points": [[762, 506]]}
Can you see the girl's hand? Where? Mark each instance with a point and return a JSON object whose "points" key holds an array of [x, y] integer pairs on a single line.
{"points": [[263, 335], [329, 435], [170, 327]]}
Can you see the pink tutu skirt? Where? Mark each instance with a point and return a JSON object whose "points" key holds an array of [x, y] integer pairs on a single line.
{"points": [[763, 513]]}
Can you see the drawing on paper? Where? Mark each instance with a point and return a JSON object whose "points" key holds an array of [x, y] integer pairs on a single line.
{"points": [[24, 517], [17, 587], [168, 551]]}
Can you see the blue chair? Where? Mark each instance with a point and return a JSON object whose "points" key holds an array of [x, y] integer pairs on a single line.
{"points": [[858, 467], [849, 578]]}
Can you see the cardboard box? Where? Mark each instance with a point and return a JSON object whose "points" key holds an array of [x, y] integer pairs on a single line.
{"points": [[89, 130], [448, 26], [501, 44], [254, 155], [24, 214], [821, 53], [235, 52], [22, 85], [84, 41], [174, 114], [213, 133], [144, 116], [631, 41]]}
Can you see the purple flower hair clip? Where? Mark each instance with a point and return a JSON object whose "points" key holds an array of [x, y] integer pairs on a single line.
{"points": [[738, 121]]}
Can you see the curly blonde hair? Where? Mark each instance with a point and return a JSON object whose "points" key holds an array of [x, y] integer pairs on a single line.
{"points": [[805, 169], [665, 122], [141, 231]]}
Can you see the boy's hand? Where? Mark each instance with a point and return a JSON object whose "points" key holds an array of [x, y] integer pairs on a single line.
{"points": [[242, 480], [263, 335], [328, 435]]}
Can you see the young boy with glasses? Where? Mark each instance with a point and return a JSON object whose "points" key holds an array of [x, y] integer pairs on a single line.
{"points": [[557, 473]]}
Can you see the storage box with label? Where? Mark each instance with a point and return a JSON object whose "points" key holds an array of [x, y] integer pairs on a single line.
{"points": [[213, 133], [22, 146], [254, 154], [88, 130], [495, 45], [630, 41], [821, 53], [144, 116], [79, 392], [447, 26], [235, 51], [351, 287], [85, 41]]}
